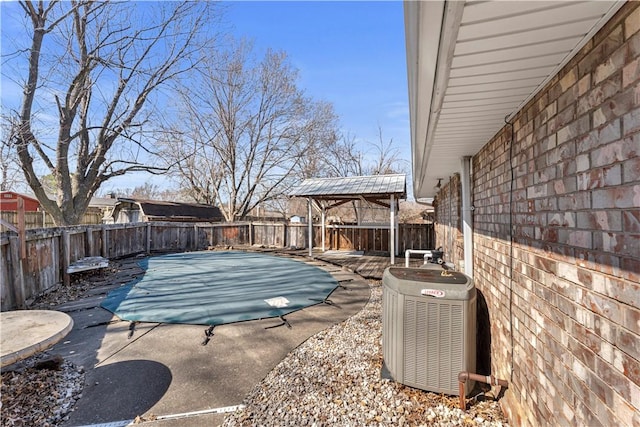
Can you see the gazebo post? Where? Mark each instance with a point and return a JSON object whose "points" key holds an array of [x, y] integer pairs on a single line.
{"points": [[310, 225], [323, 226], [392, 231]]}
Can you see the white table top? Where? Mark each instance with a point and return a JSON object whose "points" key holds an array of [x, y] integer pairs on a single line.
{"points": [[24, 333]]}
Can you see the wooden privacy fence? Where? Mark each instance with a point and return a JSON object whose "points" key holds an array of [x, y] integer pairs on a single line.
{"points": [[47, 253], [43, 219]]}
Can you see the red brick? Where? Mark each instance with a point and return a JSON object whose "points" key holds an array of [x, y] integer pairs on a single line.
{"points": [[632, 321], [600, 220], [576, 238], [616, 151], [568, 98], [631, 170], [631, 73], [596, 138], [599, 94], [614, 107], [631, 122], [566, 219], [584, 84], [574, 129], [549, 204], [616, 380], [603, 177], [628, 342], [600, 52], [582, 353], [631, 221], [576, 201], [630, 268], [604, 262], [587, 418], [616, 197], [613, 64], [582, 163], [604, 306], [623, 291], [632, 23]]}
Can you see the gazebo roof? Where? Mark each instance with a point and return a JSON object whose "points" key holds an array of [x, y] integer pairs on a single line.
{"points": [[373, 187], [328, 193]]}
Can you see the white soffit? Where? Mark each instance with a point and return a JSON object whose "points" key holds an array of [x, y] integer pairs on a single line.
{"points": [[473, 64]]}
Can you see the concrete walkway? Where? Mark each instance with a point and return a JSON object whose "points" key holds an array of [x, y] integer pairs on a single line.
{"points": [[164, 371]]}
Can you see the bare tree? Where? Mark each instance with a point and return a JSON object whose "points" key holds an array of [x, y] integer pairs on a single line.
{"points": [[10, 172], [245, 130], [387, 157], [348, 157], [97, 68], [345, 156]]}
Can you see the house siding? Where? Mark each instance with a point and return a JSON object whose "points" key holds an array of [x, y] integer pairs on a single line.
{"points": [[557, 239]]}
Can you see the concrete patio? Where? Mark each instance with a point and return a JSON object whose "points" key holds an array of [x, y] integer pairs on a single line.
{"points": [[164, 371]]}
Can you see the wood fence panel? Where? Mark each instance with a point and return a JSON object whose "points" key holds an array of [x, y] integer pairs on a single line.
{"points": [[416, 236], [7, 276], [297, 235], [42, 268], [94, 241], [167, 237], [224, 235], [125, 239], [44, 220], [77, 245], [269, 235]]}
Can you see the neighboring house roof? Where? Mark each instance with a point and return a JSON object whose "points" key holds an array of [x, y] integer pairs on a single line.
{"points": [[161, 210], [103, 202], [353, 187], [473, 64]]}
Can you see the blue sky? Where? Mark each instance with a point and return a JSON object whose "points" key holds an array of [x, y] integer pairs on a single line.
{"points": [[351, 54]]}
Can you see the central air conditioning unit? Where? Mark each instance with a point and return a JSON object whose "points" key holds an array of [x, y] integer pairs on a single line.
{"points": [[428, 327]]}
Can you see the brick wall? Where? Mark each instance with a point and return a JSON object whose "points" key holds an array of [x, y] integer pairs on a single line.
{"points": [[448, 226], [557, 240]]}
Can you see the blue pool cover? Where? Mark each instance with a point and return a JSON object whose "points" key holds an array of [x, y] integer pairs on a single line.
{"points": [[214, 288]]}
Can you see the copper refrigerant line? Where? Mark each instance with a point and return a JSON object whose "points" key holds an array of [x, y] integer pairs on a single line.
{"points": [[487, 379]]}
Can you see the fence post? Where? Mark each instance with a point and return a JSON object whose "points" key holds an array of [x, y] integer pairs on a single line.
{"points": [[66, 257], [284, 235], [16, 272], [195, 237], [89, 239], [251, 234], [105, 247], [148, 245]]}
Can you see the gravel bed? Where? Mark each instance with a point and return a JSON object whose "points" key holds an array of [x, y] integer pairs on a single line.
{"points": [[334, 379], [39, 392]]}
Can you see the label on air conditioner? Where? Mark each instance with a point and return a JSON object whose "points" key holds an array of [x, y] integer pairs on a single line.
{"points": [[433, 293]]}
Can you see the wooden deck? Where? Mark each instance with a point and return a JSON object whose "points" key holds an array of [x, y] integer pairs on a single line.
{"points": [[369, 265]]}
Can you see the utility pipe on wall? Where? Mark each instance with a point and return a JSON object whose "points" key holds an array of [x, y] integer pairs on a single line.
{"points": [[467, 220], [392, 231], [487, 379]]}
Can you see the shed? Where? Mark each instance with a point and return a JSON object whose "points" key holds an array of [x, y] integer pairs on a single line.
{"points": [[328, 193], [9, 202], [129, 210]]}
